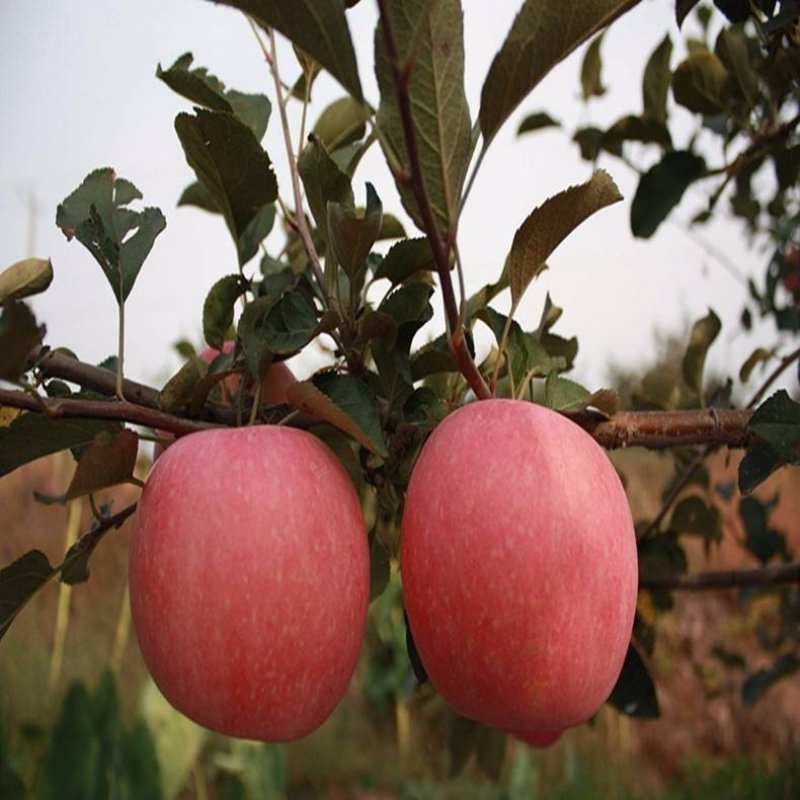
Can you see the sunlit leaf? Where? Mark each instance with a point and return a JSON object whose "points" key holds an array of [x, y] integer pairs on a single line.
{"points": [[542, 34], [318, 27], [431, 35], [661, 189], [25, 278], [549, 224]]}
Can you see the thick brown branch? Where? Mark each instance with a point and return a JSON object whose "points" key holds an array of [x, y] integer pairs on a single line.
{"points": [[657, 430], [728, 579], [122, 410]]}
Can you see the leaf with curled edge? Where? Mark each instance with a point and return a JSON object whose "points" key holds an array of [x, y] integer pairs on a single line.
{"points": [[431, 36], [549, 224], [345, 402], [25, 278]]}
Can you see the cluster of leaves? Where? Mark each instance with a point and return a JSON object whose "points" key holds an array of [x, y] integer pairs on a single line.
{"points": [[334, 276]]}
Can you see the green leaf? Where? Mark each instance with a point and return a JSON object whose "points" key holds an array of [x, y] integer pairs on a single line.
{"points": [[139, 763], [179, 390], [635, 693], [661, 189], [683, 8], [757, 684], [490, 751], [461, 743], [562, 394], [25, 278], [763, 541], [404, 259], [203, 89], [119, 239], [31, 436], [255, 233], [345, 402], [341, 123], [700, 83], [631, 128], [318, 27], [733, 51], [230, 163], [758, 356], [290, 324], [195, 194], [19, 337], [537, 121], [703, 334], [542, 34], [218, 308], [656, 81], [693, 516], [19, 581], [431, 36], [379, 567], [324, 183], [759, 462], [352, 236], [591, 69], [777, 422], [107, 461], [549, 224]]}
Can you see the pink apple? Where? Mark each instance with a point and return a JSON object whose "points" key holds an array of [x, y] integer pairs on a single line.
{"points": [[538, 738], [519, 567], [249, 580]]}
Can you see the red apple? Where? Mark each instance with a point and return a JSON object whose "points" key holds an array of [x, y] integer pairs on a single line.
{"points": [[249, 580], [519, 567], [538, 738]]}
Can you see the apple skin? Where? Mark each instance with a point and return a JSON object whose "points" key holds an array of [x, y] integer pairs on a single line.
{"points": [[249, 580], [519, 567]]}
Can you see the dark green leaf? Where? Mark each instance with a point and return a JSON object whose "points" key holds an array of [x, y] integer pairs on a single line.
{"points": [[352, 236], [25, 278], [19, 581], [542, 34], [379, 567], [230, 163], [656, 80], [31, 436], [704, 332], [757, 684], [324, 183], [759, 462], [218, 308], [537, 121], [345, 402], [777, 422], [431, 35], [341, 123], [662, 556], [636, 129], [255, 233], [139, 763], [97, 215], [734, 53], [549, 224], [318, 27], [179, 390], [490, 751], [290, 324], [591, 69], [461, 743], [761, 540], [404, 259], [591, 141], [682, 9], [195, 194], [19, 337], [635, 693], [734, 10], [700, 83], [693, 516], [661, 189]]}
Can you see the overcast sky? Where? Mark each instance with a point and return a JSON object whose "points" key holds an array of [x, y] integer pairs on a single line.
{"points": [[79, 92]]}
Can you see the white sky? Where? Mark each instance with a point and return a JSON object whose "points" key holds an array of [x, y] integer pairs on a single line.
{"points": [[79, 92]]}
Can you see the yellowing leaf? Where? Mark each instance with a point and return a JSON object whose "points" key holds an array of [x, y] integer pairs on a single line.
{"points": [[549, 224], [25, 278]]}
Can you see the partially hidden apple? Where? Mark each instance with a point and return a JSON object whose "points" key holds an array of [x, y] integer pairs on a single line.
{"points": [[249, 580], [519, 568]]}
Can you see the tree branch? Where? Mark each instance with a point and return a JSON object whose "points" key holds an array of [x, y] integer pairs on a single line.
{"points": [[440, 250], [727, 579]]}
